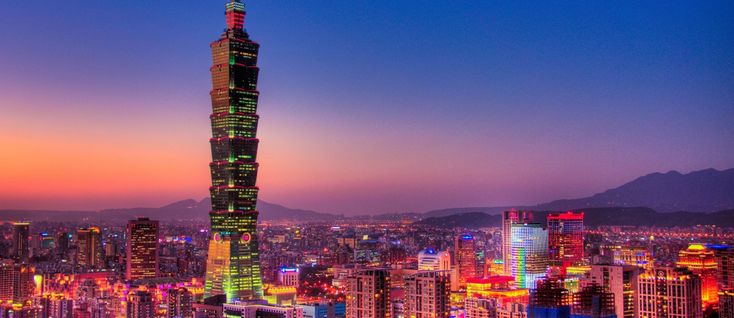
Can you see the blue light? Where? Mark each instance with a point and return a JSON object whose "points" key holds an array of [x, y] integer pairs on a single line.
{"points": [[466, 237], [430, 251]]}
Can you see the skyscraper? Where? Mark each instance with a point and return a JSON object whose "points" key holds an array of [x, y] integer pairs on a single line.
{"points": [[619, 280], [528, 253], [565, 239], [669, 293], [89, 247], [508, 219], [142, 249], [702, 262], [179, 303], [368, 294], [21, 231], [233, 265], [466, 260], [427, 295]]}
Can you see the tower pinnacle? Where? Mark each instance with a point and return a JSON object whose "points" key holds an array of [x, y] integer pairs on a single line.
{"points": [[235, 12]]}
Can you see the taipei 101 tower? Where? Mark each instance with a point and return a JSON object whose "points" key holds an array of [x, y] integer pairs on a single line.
{"points": [[233, 263]]}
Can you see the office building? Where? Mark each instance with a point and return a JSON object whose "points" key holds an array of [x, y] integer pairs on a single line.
{"points": [[618, 280], [21, 247], [233, 264], [702, 262], [89, 247], [427, 295], [179, 303], [668, 292], [142, 259], [565, 239], [140, 304], [465, 258], [529, 253], [368, 294], [508, 219]]}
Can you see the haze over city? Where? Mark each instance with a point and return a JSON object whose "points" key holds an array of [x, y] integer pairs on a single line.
{"points": [[367, 107]]}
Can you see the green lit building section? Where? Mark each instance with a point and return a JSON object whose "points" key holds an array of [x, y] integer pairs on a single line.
{"points": [[233, 263]]}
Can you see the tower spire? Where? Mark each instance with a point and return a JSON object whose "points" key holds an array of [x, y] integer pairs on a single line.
{"points": [[235, 12]]}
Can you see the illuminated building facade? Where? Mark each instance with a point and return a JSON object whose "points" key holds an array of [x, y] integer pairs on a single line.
{"points": [[368, 294], [508, 219], [89, 247], [21, 248], [501, 288], [666, 292], [142, 249], [619, 280], [636, 256], [427, 295], [529, 253], [492, 308], [140, 305], [432, 260], [179, 303], [466, 261], [702, 262], [724, 266], [288, 276], [261, 309], [565, 239], [233, 264]]}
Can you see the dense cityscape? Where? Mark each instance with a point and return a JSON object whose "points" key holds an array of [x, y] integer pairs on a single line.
{"points": [[535, 264]]}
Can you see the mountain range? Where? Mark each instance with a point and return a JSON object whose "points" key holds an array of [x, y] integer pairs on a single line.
{"points": [[707, 190]]}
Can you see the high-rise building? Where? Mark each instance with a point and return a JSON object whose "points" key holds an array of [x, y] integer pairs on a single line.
{"points": [[233, 264], [500, 288], [21, 248], [89, 247], [593, 301], [7, 274], [633, 255], [368, 294], [724, 266], [465, 258], [492, 308], [726, 304], [427, 295], [702, 262], [432, 260], [565, 239], [549, 299], [668, 292], [618, 280], [508, 219], [142, 249], [179, 303], [140, 304], [529, 253]]}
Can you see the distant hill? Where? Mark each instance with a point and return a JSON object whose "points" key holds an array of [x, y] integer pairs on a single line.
{"points": [[182, 210], [699, 191], [596, 217]]}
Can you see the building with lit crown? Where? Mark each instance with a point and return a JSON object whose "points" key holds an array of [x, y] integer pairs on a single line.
{"points": [[465, 259], [702, 262], [21, 248], [233, 264], [565, 239], [432, 260]]}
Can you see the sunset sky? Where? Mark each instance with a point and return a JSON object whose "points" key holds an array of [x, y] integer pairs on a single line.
{"points": [[366, 106]]}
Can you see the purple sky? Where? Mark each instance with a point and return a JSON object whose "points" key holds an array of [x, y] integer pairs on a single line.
{"points": [[366, 106]]}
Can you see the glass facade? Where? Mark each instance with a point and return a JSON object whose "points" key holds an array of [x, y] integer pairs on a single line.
{"points": [[233, 264]]}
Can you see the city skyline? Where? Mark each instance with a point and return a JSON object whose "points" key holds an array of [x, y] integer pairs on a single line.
{"points": [[518, 105]]}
